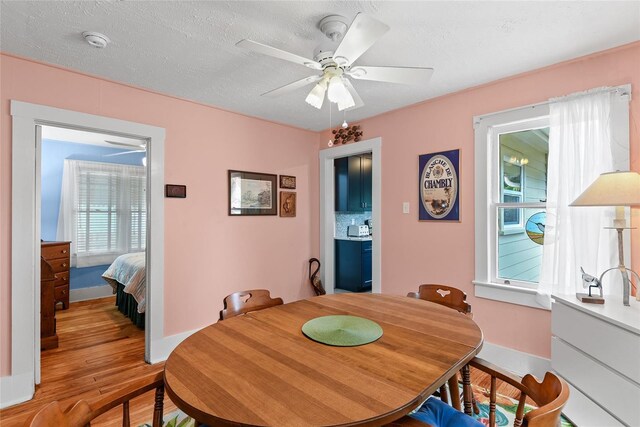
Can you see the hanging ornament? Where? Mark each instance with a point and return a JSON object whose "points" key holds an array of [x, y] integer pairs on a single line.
{"points": [[346, 134], [345, 125]]}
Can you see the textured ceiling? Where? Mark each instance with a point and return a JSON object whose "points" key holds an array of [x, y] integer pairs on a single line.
{"points": [[187, 49]]}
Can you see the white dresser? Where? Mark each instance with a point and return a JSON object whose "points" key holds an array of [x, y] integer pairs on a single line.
{"points": [[596, 349]]}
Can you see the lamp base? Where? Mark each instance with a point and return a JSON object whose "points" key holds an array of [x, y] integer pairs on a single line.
{"points": [[590, 299]]}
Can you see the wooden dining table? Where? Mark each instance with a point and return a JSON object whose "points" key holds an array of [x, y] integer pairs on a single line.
{"points": [[261, 370]]}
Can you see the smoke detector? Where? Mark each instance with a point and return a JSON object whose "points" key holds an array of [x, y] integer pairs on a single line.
{"points": [[334, 27], [98, 40]]}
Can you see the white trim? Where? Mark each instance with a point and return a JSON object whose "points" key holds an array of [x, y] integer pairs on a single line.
{"points": [[518, 362], [25, 247], [92, 292], [163, 348], [505, 293], [327, 209], [15, 389]]}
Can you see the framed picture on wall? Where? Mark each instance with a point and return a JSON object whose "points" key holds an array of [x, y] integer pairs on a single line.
{"points": [[287, 181], [252, 193], [287, 204], [438, 181]]}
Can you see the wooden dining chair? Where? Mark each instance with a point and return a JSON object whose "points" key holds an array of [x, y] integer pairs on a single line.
{"points": [[81, 413], [444, 295], [245, 301], [456, 299], [549, 397]]}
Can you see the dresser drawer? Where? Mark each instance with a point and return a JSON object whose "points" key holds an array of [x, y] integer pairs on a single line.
{"points": [[50, 252], [61, 293], [603, 341], [62, 278], [59, 265], [609, 389]]}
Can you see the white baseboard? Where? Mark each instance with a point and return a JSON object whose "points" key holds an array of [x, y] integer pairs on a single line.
{"points": [[84, 294], [515, 361], [162, 348], [16, 389]]}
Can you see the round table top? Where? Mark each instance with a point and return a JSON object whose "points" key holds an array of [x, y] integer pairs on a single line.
{"points": [[259, 369]]}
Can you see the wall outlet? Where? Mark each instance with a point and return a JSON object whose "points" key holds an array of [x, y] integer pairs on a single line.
{"points": [[405, 207]]}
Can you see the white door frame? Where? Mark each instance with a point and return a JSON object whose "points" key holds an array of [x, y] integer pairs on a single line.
{"points": [[327, 209], [25, 238]]}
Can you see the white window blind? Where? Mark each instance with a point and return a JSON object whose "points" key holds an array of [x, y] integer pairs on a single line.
{"points": [[102, 211]]}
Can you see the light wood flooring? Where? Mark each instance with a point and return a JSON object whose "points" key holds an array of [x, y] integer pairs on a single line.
{"points": [[99, 351]]}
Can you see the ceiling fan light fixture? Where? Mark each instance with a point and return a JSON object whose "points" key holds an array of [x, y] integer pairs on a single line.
{"points": [[316, 96], [338, 92]]}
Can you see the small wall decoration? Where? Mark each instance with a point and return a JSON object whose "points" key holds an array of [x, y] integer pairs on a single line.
{"points": [[252, 193], [287, 181], [287, 204], [346, 134], [178, 191], [535, 227], [439, 178]]}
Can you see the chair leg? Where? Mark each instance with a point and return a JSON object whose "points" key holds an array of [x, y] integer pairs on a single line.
{"points": [[443, 393], [455, 392], [467, 391]]}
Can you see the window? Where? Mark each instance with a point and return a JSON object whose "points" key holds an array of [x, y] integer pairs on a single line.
{"points": [[511, 154], [520, 206], [107, 207], [511, 159]]}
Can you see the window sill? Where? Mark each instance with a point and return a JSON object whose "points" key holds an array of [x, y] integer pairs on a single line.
{"points": [[507, 293], [515, 230]]}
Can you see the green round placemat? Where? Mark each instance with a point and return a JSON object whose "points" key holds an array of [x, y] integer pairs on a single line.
{"points": [[342, 331]]}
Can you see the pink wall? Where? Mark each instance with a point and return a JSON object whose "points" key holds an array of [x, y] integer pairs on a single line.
{"points": [[203, 142], [207, 254], [415, 252]]}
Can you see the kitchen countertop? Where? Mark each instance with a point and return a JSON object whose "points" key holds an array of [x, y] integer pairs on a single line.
{"points": [[360, 239]]}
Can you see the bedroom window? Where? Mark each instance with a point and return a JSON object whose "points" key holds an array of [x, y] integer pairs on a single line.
{"points": [[103, 211]]}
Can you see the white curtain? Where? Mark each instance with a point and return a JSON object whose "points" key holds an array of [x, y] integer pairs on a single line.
{"points": [[580, 149], [102, 211], [67, 230]]}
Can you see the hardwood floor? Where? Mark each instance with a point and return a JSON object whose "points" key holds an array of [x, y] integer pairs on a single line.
{"points": [[100, 351]]}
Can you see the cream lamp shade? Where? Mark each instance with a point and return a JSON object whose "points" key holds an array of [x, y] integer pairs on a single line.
{"points": [[612, 189]]}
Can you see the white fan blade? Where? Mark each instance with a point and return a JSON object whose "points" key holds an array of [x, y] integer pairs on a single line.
{"points": [[356, 98], [278, 53], [292, 86], [403, 75], [124, 152], [361, 35]]}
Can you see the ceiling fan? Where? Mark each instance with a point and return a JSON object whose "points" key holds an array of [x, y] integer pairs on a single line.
{"points": [[337, 65]]}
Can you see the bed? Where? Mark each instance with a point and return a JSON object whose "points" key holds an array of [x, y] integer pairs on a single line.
{"points": [[127, 276]]}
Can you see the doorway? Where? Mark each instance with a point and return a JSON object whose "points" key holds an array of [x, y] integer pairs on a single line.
{"points": [[328, 214], [93, 227], [27, 121]]}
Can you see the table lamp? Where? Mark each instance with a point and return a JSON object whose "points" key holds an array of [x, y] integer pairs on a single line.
{"points": [[619, 189]]}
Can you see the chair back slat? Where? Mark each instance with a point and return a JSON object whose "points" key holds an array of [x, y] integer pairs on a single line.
{"points": [[246, 301], [492, 402], [444, 295], [520, 410], [126, 421]]}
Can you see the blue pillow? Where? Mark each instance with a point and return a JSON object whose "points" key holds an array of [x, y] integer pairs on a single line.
{"points": [[439, 414]]}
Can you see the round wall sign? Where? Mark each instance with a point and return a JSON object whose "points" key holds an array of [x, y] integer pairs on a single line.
{"points": [[439, 186], [535, 227]]}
